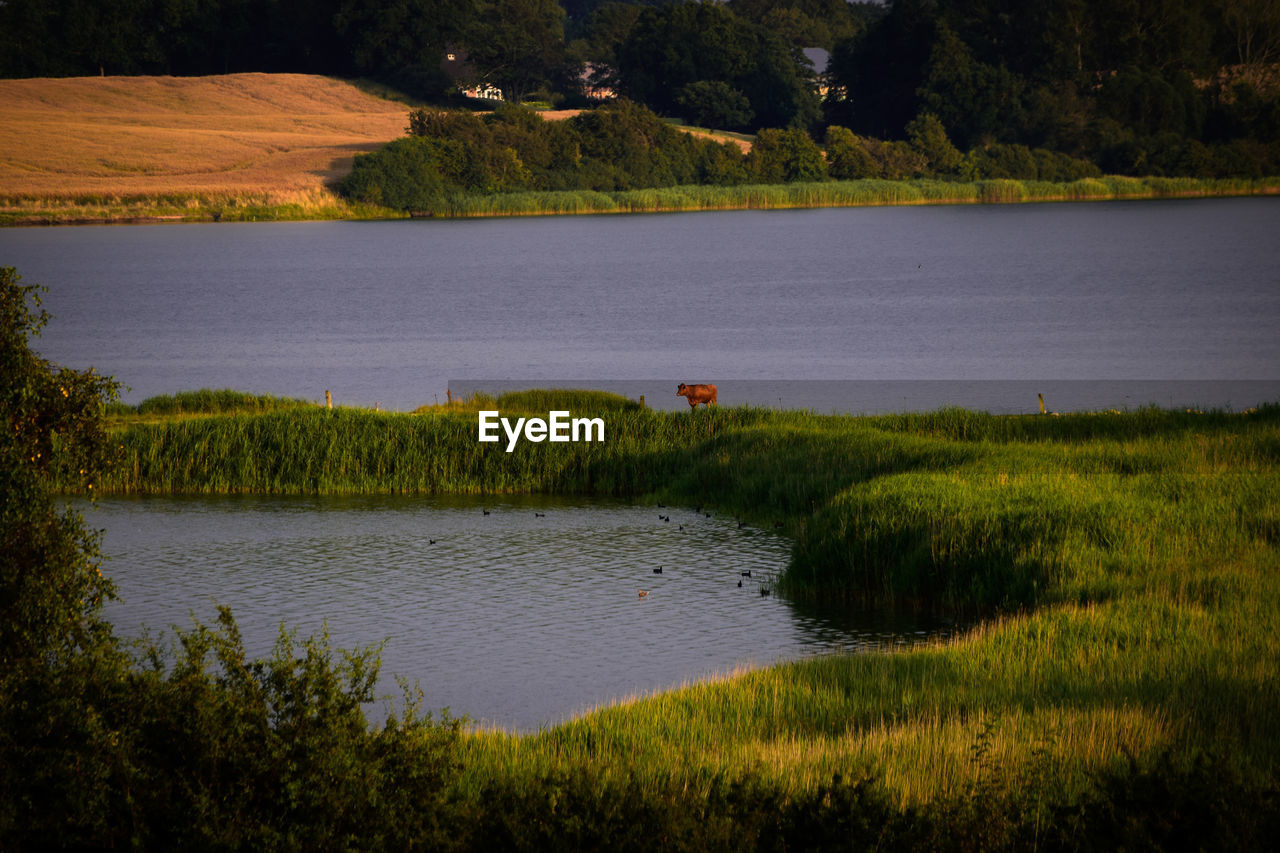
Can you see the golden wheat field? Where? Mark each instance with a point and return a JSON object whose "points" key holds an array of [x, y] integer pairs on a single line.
{"points": [[280, 135]]}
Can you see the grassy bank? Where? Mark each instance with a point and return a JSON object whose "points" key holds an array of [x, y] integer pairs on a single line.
{"points": [[1128, 564], [859, 193], [217, 206], [323, 204], [1120, 687]]}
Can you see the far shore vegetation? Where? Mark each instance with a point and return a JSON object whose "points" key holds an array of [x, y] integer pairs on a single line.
{"points": [[262, 147]]}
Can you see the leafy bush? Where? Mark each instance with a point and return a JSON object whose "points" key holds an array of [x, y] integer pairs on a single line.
{"points": [[195, 747], [847, 157], [783, 156]]}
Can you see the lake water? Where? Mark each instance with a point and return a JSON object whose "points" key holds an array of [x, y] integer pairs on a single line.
{"points": [[518, 618], [929, 302]]}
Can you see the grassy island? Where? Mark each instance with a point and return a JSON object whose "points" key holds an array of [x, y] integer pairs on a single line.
{"points": [[1120, 687]]}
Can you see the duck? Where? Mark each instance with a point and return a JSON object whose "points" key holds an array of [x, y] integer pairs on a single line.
{"points": [[539, 515], [658, 570], [642, 593], [745, 574]]}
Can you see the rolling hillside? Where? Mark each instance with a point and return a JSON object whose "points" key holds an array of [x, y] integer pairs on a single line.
{"points": [[278, 134]]}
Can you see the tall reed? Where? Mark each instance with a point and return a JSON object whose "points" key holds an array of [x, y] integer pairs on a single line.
{"points": [[1121, 572]]}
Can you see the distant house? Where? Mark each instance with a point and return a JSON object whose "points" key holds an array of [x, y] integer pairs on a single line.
{"points": [[820, 59], [464, 75]]}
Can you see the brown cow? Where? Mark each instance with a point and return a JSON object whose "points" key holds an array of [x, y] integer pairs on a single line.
{"points": [[697, 394]]}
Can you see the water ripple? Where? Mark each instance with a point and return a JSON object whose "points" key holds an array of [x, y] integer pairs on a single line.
{"points": [[518, 617]]}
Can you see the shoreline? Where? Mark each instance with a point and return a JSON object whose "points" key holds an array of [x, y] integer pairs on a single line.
{"points": [[27, 212], [1109, 605]]}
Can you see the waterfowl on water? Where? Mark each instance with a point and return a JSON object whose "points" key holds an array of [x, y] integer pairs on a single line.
{"points": [[485, 511], [642, 593], [658, 570], [539, 515], [746, 574], [431, 541]]}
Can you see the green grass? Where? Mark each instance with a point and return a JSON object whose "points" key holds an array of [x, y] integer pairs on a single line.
{"points": [[206, 401], [246, 207], [1124, 569], [220, 206], [867, 192]]}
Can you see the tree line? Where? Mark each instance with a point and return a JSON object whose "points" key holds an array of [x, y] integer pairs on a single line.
{"points": [[622, 145], [1167, 87]]}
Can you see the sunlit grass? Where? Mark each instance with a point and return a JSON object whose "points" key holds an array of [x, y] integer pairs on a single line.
{"points": [[251, 145], [859, 193], [1121, 573]]}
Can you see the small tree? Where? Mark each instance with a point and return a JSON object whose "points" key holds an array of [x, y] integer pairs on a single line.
{"points": [[51, 588], [929, 138], [847, 158], [784, 156]]}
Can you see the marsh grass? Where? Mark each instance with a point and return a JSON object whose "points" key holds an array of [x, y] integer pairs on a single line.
{"points": [[866, 192], [206, 401], [1122, 571]]}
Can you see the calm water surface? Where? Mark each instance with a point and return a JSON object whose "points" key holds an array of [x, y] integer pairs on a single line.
{"points": [[389, 312], [521, 620], [513, 618]]}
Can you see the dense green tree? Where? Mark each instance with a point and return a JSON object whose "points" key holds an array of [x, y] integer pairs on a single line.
{"points": [[784, 156], [973, 100], [517, 45], [929, 138], [780, 85], [714, 103], [1150, 103], [847, 157], [600, 35], [875, 76], [807, 23], [683, 43], [403, 39]]}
